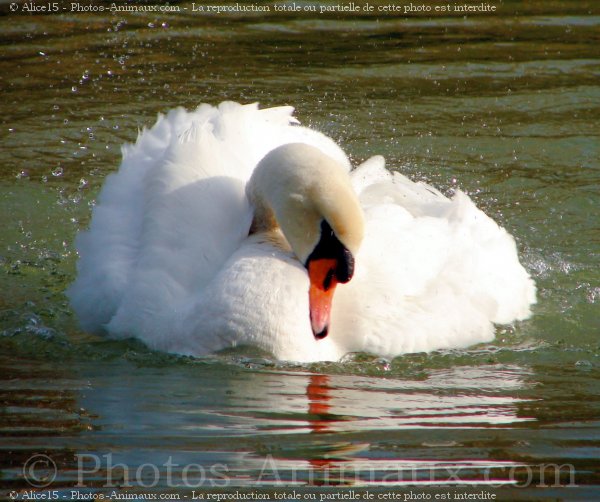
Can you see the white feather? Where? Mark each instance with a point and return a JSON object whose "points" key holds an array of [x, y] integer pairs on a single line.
{"points": [[168, 259]]}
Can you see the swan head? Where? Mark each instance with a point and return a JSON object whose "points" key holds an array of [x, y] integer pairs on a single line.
{"points": [[308, 195]]}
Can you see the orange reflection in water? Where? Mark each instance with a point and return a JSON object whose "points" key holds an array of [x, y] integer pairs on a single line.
{"points": [[319, 408]]}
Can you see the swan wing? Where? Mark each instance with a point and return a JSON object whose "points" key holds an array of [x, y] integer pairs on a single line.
{"points": [[433, 272], [175, 211]]}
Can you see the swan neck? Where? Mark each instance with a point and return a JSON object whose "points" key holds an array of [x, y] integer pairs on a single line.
{"points": [[296, 187]]}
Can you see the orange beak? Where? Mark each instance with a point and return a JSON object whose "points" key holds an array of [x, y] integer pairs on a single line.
{"points": [[323, 281]]}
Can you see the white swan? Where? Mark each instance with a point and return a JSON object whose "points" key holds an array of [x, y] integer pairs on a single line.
{"points": [[231, 226]]}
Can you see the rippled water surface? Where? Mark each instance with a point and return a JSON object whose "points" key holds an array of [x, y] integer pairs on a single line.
{"points": [[505, 106]]}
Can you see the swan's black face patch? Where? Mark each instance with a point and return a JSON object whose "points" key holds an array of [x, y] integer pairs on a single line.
{"points": [[329, 247]]}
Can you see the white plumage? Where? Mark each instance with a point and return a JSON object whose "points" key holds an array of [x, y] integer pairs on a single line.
{"points": [[168, 259]]}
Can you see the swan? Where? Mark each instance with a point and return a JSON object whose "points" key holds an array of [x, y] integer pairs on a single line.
{"points": [[232, 225]]}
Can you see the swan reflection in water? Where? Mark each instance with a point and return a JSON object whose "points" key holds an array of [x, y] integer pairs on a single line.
{"points": [[341, 408], [287, 427]]}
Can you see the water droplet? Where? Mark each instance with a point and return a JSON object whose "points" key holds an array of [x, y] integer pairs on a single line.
{"points": [[593, 295], [584, 364], [384, 364]]}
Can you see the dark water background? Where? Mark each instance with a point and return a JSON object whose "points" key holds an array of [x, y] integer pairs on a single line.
{"points": [[505, 106]]}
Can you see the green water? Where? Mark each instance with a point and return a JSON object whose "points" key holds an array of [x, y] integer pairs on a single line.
{"points": [[505, 106]]}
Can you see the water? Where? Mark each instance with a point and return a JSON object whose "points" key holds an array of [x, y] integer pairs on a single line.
{"points": [[503, 106]]}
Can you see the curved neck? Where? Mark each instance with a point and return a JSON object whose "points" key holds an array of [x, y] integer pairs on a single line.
{"points": [[297, 187]]}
